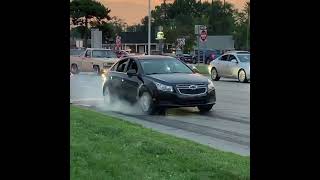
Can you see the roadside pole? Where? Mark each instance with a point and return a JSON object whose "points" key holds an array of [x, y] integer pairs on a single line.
{"points": [[198, 37]]}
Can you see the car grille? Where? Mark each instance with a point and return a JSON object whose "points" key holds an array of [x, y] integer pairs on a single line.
{"points": [[192, 89]]}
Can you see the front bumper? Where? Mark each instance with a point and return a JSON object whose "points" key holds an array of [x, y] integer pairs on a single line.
{"points": [[166, 99]]}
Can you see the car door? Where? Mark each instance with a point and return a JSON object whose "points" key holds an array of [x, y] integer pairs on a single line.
{"points": [[230, 66], [86, 64], [221, 64], [118, 78], [131, 83]]}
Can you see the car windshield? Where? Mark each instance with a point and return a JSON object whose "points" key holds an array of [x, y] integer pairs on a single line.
{"points": [[76, 52], [244, 57], [164, 66], [103, 54]]}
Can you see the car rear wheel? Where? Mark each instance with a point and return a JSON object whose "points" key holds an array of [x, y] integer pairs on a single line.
{"points": [[205, 108], [214, 74], [74, 69], [146, 103], [242, 76], [96, 69]]}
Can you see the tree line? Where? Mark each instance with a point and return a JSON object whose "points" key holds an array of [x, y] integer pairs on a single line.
{"points": [[177, 19]]}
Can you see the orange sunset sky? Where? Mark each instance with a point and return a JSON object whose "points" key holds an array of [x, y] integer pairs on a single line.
{"points": [[132, 11]]}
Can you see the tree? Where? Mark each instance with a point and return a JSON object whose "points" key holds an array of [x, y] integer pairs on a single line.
{"points": [[221, 19], [242, 33], [118, 24], [85, 12]]}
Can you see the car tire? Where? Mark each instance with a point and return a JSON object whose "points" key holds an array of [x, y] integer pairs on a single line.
{"points": [[162, 111], [214, 74], [205, 108], [194, 61], [208, 61], [242, 76], [96, 69], [146, 104], [74, 69]]}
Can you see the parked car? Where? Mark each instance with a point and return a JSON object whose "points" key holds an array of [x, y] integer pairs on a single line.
{"points": [[93, 60], [158, 82], [185, 58], [233, 64], [209, 55]]}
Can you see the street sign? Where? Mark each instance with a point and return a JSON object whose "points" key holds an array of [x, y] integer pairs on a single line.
{"points": [[203, 33], [118, 41]]}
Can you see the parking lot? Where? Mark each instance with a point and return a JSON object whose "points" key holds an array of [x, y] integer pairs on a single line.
{"points": [[225, 127]]}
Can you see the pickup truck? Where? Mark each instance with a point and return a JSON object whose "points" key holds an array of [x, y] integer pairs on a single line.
{"points": [[93, 60]]}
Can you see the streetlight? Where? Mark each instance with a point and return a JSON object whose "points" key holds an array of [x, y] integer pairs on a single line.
{"points": [[149, 29]]}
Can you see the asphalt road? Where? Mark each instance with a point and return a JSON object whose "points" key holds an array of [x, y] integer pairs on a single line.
{"points": [[226, 127]]}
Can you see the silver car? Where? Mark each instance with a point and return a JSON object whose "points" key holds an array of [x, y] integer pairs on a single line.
{"points": [[233, 64]]}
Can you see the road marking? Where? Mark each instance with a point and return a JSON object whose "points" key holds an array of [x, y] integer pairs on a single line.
{"points": [[87, 99]]}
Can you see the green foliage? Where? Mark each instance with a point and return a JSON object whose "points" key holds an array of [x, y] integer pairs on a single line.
{"points": [[178, 20], [85, 12]]}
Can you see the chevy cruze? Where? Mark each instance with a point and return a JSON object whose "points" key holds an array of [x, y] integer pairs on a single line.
{"points": [[158, 83]]}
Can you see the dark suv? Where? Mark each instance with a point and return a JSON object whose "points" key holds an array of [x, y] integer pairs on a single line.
{"points": [[209, 55], [157, 83]]}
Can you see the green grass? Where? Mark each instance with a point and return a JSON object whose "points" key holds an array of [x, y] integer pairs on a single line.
{"points": [[103, 147], [203, 68]]}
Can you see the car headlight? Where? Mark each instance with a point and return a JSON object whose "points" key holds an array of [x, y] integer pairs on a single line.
{"points": [[210, 85], [163, 87]]}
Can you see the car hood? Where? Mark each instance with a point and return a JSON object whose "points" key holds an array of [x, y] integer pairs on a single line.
{"points": [[179, 78]]}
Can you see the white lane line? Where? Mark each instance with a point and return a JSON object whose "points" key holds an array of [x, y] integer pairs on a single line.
{"points": [[87, 99]]}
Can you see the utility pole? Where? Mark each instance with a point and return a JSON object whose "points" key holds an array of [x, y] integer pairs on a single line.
{"points": [[149, 29], [248, 30]]}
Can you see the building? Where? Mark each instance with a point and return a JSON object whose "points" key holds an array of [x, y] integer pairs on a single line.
{"points": [[137, 42], [217, 42]]}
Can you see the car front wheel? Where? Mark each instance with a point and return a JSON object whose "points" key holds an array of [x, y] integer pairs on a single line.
{"points": [[146, 103], [242, 76], [214, 74], [74, 69], [96, 69]]}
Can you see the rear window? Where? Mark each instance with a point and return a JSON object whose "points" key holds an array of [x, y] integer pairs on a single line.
{"points": [[103, 54], [244, 57]]}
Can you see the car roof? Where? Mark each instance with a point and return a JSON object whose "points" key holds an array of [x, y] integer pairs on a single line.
{"points": [[98, 49], [236, 52], [151, 57]]}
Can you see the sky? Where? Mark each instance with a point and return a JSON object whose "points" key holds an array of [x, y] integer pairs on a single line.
{"points": [[132, 11]]}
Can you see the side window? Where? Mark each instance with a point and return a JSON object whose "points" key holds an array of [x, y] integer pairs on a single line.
{"points": [[224, 58], [231, 57], [122, 65], [114, 67], [132, 65], [88, 53]]}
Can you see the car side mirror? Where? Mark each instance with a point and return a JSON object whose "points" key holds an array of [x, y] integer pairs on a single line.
{"points": [[234, 61], [132, 72]]}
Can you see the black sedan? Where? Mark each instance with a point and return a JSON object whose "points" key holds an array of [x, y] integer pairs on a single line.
{"points": [[157, 83]]}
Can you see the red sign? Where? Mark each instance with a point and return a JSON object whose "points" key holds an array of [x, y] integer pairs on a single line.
{"points": [[203, 35], [118, 41]]}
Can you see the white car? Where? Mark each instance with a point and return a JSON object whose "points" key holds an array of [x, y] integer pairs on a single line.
{"points": [[233, 64]]}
